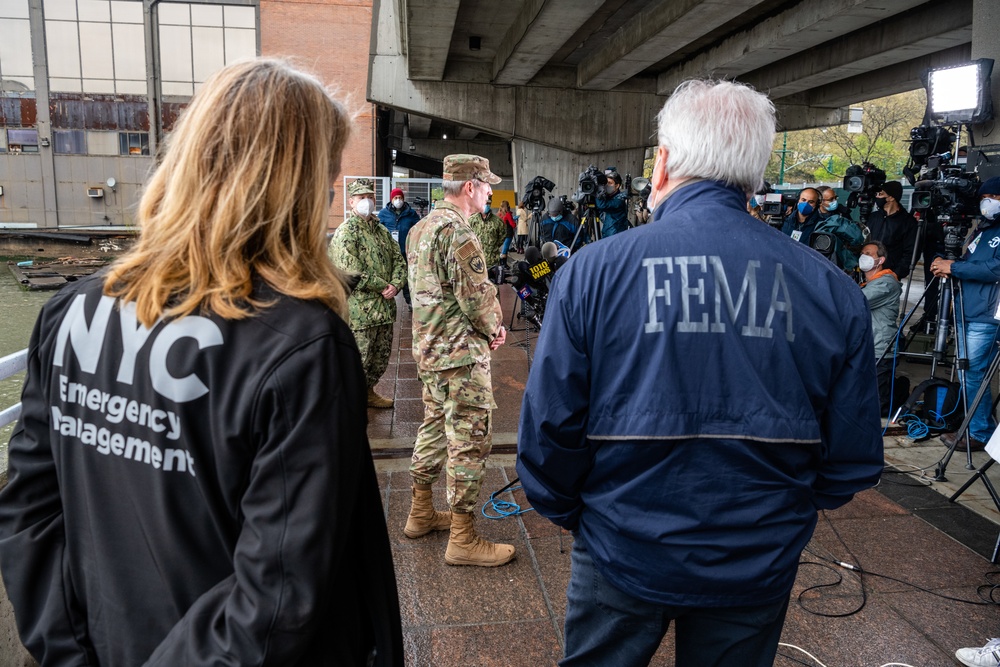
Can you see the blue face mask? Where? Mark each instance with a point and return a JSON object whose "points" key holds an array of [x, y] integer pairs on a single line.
{"points": [[805, 208], [557, 218], [832, 206], [486, 208]]}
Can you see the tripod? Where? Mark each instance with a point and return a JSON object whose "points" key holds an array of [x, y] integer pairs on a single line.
{"points": [[589, 221]]}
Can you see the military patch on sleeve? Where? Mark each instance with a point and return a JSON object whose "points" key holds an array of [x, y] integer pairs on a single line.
{"points": [[466, 250], [477, 264]]}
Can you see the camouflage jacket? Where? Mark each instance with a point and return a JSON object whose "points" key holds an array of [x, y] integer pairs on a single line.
{"points": [[367, 249], [455, 309], [491, 232]]}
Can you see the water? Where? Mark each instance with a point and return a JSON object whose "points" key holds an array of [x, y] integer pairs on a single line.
{"points": [[20, 309]]}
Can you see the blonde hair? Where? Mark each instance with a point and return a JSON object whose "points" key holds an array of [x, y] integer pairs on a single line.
{"points": [[242, 192]]}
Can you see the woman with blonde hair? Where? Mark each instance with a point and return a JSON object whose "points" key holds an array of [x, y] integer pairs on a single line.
{"points": [[190, 479]]}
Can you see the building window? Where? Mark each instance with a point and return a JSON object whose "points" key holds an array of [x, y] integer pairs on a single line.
{"points": [[95, 46], [196, 40], [22, 141], [69, 142], [16, 74], [133, 143]]}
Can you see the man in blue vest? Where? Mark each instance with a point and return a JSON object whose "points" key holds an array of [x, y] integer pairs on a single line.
{"points": [[702, 386]]}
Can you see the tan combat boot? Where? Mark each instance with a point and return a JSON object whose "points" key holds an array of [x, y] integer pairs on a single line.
{"points": [[423, 517], [467, 548], [376, 401]]}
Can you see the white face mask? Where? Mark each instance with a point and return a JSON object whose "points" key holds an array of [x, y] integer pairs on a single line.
{"points": [[866, 263], [990, 208], [364, 207], [610, 188], [397, 202]]}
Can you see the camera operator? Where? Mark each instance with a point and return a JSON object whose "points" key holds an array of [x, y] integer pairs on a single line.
{"points": [[978, 271], [802, 221], [881, 288], [829, 205], [894, 227], [613, 205], [560, 225], [848, 234]]}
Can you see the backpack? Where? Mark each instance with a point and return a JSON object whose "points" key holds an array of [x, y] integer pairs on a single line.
{"points": [[937, 403]]}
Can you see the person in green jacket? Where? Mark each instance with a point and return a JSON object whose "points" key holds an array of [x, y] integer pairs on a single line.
{"points": [[365, 249], [491, 231], [881, 288]]}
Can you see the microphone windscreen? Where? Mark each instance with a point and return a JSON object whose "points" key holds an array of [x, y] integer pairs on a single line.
{"points": [[532, 255], [549, 250]]}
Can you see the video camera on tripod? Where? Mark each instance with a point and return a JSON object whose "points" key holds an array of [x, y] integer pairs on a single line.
{"points": [[863, 181], [534, 192]]}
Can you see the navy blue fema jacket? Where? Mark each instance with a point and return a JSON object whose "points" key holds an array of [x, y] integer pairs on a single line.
{"points": [[979, 272], [702, 386]]}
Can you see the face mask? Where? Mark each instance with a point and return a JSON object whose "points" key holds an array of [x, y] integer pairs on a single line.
{"points": [[557, 218], [990, 208], [805, 208], [486, 208], [879, 202], [609, 188], [397, 203], [364, 207], [832, 206], [866, 262]]}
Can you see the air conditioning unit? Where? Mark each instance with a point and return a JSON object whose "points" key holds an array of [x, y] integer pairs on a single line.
{"points": [[95, 193]]}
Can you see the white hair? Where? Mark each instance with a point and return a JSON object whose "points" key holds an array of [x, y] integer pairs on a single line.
{"points": [[719, 130], [452, 188]]}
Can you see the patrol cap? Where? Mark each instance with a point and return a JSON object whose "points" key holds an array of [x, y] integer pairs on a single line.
{"points": [[362, 186], [990, 186], [464, 167]]}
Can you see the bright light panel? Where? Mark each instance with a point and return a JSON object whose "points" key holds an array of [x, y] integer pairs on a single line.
{"points": [[954, 89]]}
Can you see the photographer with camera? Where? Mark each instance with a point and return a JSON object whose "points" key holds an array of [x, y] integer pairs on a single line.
{"points": [[613, 205], [894, 227], [803, 219], [978, 272], [561, 225], [847, 234]]}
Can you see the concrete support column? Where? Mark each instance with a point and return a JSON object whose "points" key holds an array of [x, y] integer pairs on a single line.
{"points": [[46, 151], [563, 167], [985, 44]]}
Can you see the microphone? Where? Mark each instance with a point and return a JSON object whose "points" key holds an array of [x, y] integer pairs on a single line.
{"points": [[532, 255], [549, 251]]}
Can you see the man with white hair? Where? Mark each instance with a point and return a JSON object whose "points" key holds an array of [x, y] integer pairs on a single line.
{"points": [[702, 386]]}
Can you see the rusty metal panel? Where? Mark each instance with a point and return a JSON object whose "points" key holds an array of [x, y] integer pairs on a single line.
{"points": [[99, 112], [29, 112], [171, 111], [10, 111]]}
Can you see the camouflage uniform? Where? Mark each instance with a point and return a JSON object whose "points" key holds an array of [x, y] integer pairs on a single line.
{"points": [[491, 231], [455, 316], [364, 247]]}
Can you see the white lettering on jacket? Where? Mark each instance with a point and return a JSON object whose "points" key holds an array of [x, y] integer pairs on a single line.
{"points": [[701, 275]]}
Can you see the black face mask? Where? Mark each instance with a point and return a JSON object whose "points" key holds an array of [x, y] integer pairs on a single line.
{"points": [[880, 202]]}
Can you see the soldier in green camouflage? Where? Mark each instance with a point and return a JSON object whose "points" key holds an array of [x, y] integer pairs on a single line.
{"points": [[491, 231], [365, 249], [456, 323]]}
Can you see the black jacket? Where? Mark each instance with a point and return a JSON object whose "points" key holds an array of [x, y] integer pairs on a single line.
{"points": [[198, 493], [898, 232]]}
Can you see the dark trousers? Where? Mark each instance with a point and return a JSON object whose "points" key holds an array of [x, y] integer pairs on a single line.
{"points": [[607, 627]]}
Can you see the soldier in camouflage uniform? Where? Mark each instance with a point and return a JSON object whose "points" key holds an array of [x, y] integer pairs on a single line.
{"points": [[456, 323], [364, 248], [491, 231]]}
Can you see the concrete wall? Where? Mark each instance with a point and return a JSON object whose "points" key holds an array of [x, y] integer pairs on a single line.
{"points": [[563, 167]]}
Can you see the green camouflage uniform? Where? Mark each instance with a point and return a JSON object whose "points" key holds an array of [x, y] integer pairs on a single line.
{"points": [[491, 231], [455, 316], [366, 248]]}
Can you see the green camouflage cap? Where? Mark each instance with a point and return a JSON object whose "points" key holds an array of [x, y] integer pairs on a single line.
{"points": [[362, 186], [464, 167]]}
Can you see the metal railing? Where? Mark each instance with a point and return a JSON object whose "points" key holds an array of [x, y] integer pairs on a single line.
{"points": [[10, 365]]}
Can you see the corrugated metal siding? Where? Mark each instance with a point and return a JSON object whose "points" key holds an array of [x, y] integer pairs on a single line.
{"points": [[99, 112]]}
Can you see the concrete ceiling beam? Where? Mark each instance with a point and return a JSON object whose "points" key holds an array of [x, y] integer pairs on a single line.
{"points": [[803, 27], [898, 78], [928, 29], [801, 117], [429, 25], [539, 30], [651, 35], [420, 126]]}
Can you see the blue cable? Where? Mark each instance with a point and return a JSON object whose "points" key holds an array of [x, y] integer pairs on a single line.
{"points": [[503, 508], [916, 429]]}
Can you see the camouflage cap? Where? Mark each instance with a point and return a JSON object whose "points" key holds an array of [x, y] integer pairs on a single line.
{"points": [[465, 167], [362, 186]]}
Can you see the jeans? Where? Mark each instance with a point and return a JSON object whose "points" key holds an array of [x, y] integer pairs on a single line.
{"points": [[979, 349], [608, 627], [506, 247]]}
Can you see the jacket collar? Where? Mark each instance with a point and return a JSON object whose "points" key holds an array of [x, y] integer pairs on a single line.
{"points": [[694, 192]]}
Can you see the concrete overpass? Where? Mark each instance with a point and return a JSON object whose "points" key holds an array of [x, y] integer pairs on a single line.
{"points": [[575, 82]]}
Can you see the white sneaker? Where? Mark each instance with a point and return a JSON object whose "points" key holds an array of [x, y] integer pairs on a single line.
{"points": [[987, 656]]}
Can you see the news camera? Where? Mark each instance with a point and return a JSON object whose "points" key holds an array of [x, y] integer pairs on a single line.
{"points": [[592, 182], [863, 181], [534, 192], [949, 197]]}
